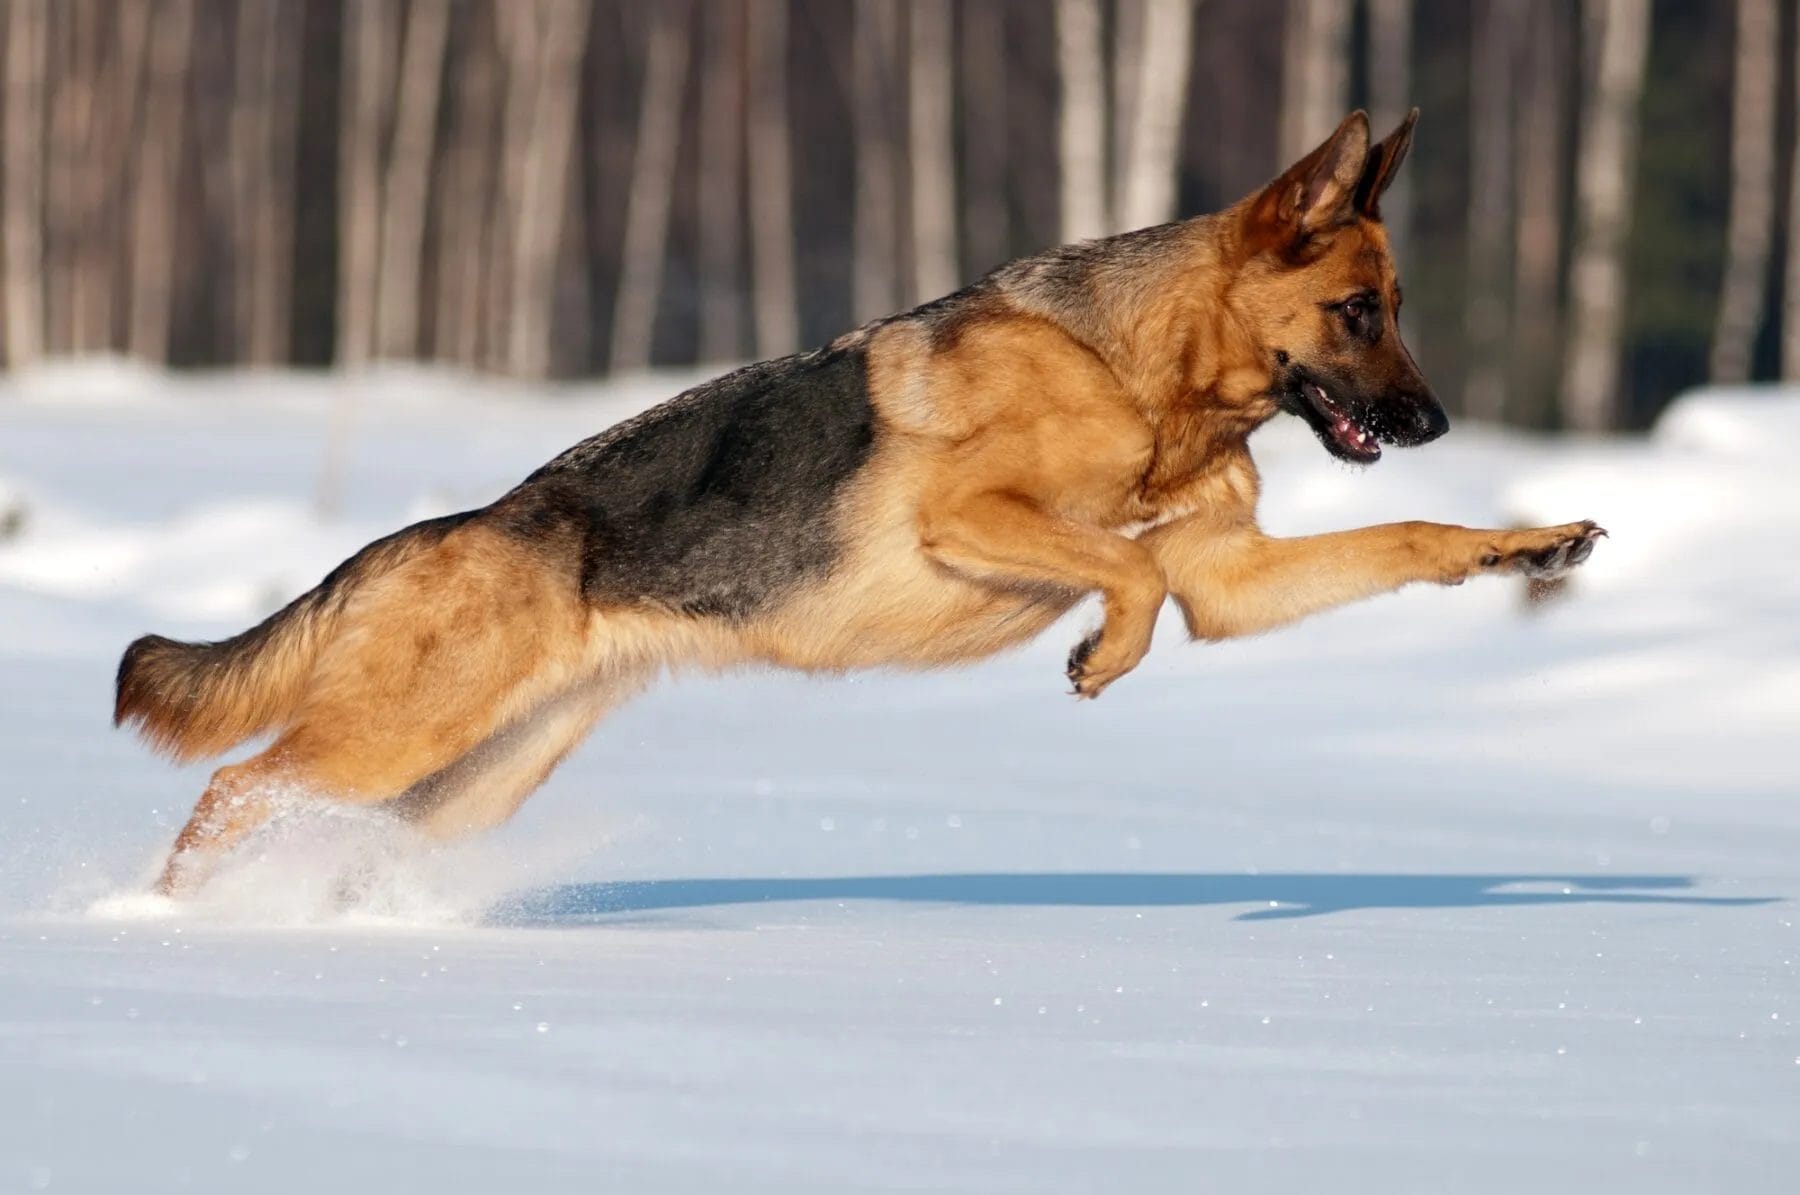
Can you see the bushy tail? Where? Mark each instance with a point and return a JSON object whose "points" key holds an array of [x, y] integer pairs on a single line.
{"points": [[192, 700]]}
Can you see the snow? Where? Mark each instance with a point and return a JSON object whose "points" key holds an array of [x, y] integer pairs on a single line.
{"points": [[1428, 894]]}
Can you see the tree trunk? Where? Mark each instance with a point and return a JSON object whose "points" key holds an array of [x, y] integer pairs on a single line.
{"points": [[1082, 120], [1541, 158], [1390, 97], [406, 190], [88, 147], [262, 155], [652, 186], [1315, 77], [156, 180], [875, 287], [544, 190], [1751, 224], [1485, 307], [1606, 161], [771, 182], [467, 209], [369, 35], [1153, 142], [984, 80], [1790, 302], [933, 151], [721, 181], [22, 182]]}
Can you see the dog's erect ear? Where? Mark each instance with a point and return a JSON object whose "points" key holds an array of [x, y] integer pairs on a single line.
{"points": [[1316, 193], [1384, 160]]}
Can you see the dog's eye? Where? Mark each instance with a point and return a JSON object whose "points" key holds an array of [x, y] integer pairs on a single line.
{"points": [[1355, 309]]}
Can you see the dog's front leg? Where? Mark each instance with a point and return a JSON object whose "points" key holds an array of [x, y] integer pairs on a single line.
{"points": [[1230, 579], [1010, 538]]}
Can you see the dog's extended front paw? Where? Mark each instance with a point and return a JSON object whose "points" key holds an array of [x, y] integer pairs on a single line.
{"points": [[1544, 553], [1094, 664]]}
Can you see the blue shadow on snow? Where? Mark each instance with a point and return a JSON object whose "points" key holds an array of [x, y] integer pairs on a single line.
{"points": [[1277, 895]]}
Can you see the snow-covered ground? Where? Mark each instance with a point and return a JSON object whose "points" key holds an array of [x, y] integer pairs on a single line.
{"points": [[1427, 895]]}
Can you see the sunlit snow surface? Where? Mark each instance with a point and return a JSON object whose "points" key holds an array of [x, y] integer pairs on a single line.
{"points": [[1427, 895]]}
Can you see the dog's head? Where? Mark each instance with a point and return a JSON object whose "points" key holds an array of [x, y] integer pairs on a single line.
{"points": [[1315, 289]]}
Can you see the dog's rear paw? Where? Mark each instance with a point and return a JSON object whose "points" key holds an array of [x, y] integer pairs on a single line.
{"points": [[1078, 658], [1546, 553], [1091, 668]]}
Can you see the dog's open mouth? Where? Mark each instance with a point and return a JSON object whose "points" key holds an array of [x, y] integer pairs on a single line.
{"points": [[1340, 431]]}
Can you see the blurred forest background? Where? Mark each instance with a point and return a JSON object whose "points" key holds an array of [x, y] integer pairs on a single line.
{"points": [[1600, 209]]}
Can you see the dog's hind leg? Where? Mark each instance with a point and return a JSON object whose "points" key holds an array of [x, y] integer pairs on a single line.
{"points": [[430, 663], [488, 785]]}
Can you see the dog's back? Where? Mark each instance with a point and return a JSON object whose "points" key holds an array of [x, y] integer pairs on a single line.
{"points": [[718, 501]]}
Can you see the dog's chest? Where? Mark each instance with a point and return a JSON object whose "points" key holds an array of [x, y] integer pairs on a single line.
{"points": [[1187, 476]]}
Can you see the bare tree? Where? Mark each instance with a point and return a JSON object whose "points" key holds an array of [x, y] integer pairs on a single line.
{"points": [[1315, 76], [406, 183], [933, 150], [1390, 98], [1159, 101], [156, 177], [262, 130], [1606, 161], [1082, 120], [369, 37], [874, 289], [97, 54], [465, 198], [543, 191], [776, 305], [1485, 308], [652, 185], [1540, 150], [1790, 302], [721, 180], [1751, 225], [22, 181], [984, 80]]}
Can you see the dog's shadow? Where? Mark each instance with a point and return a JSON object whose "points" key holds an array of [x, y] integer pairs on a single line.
{"points": [[1284, 895]]}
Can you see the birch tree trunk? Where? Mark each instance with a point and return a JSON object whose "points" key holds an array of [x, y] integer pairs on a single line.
{"points": [[1541, 156], [466, 205], [22, 182], [262, 171], [652, 185], [721, 181], [933, 151], [1606, 162], [1790, 302], [156, 178], [88, 143], [874, 281], [544, 191], [1127, 80], [1485, 307], [1750, 227], [405, 190], [1390, 97], [1152, 146], [1315, 76], [369, 35], [983, 68], [1081, 129], [776, 305]]}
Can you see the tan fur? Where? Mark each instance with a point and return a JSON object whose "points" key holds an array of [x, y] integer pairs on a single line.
{"points": [[1053, 441]]}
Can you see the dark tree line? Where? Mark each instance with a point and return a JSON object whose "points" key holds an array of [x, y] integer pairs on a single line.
{"points": [[1596, 213]]}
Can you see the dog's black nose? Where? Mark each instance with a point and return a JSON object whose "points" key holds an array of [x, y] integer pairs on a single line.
{"points": [[1433, 422]]}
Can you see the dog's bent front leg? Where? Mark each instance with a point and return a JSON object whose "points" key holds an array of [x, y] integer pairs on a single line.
{"points": [[1010, 538], [1232, 580]]}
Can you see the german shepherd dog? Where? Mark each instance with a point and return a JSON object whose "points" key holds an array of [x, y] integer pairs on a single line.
{"points": [[928, 489]]}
